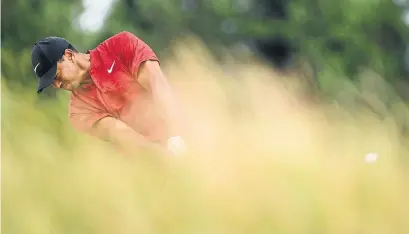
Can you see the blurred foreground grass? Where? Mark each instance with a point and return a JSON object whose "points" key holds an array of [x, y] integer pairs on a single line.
{"points": [[264, 159]]}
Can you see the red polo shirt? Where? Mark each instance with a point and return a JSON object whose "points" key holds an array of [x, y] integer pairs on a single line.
{"points": [[115, 91]]}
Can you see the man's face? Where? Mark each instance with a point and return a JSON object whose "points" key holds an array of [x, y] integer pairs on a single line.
{"points": [[68, 72]]}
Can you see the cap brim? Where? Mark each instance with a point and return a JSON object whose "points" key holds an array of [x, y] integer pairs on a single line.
{"points": [[47, 79]]}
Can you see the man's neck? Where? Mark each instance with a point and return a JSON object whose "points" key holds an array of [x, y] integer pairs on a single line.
{"points": [[85, 64]]}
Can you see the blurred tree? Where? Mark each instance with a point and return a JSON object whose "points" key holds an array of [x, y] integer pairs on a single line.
{"points": [[347, 35], [26, 21], [341, 36]]}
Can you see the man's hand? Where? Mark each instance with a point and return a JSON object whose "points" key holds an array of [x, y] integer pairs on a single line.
{"points": [[176, 145]]}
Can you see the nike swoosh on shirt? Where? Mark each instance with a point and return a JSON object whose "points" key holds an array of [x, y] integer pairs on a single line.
{"points": [[110, 70]]}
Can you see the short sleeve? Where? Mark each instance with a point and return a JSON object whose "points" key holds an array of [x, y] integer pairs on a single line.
{"points": [[134, 51], [84, 113]]}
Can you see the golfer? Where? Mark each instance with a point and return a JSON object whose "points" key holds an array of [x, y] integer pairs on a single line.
{"points": [[118, 91]]}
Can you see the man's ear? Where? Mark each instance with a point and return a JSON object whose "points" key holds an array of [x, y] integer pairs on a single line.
{"points": [[68, 53]]}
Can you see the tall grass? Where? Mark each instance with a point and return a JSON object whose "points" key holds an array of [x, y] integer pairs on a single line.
{"points": [[263, 159]]}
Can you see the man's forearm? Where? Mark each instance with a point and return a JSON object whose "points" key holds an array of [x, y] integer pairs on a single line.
{"points": [[124, 136]]}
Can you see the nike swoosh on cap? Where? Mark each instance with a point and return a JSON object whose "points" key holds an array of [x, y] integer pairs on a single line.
{"points": [[35, 68]]}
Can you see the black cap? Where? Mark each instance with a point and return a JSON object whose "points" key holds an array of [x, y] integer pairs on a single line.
{"points": [[44, 57]]}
